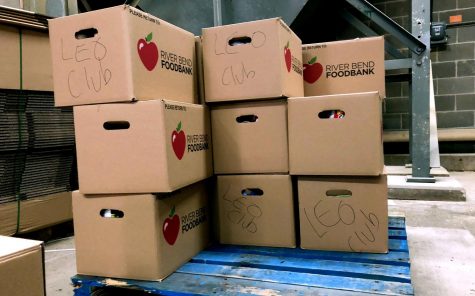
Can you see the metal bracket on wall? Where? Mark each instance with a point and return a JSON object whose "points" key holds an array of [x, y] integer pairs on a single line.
{"points": [[420, 96], [367, 31], [419, 82], [390, 26]]}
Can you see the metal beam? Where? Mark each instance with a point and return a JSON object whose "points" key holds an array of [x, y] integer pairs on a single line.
{"points": [[398, 64], [367, 31], [390, 26], [217, 13], [420, 95]]}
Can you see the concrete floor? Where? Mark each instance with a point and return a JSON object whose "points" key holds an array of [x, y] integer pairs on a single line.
{"points": [[441, 239]]}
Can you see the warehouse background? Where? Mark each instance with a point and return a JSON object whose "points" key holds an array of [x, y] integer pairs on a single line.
{"points": [[453, 67]]}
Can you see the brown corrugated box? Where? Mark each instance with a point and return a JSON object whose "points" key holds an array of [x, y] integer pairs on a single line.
{"points": [[35, 213], [254, 60], [256, 210], [351, 145], [21, 267], [250, 137], [347, 66], [344, 213], [21, 67], [120, 54], [142, 147], [144, 237]]}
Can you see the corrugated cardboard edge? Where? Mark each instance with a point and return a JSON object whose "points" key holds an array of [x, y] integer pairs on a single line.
{"points": [[199, 71], [164, 135], [8, 213], [128, 62]]}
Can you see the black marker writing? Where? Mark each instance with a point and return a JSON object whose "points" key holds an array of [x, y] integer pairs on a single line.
{"points": [[243, 213], [91, 72], [237, 76]]}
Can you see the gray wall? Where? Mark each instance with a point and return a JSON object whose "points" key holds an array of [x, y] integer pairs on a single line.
{"points": [[453, 67]]}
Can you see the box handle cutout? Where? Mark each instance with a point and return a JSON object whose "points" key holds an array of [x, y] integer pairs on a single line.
{"points": [[239, 40], [111, 213], [339, 193], [116, 125], [85, 33], [331, 114], [252, 192], [247, 118]]}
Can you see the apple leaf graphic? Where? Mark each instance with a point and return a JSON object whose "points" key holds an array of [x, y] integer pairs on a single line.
{"points": [[287, 45], [313, 60], [172, 212], [149, 37], [178, 128]]}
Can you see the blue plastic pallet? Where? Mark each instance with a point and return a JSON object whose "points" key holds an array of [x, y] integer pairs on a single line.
{"points": [[242, 270]]}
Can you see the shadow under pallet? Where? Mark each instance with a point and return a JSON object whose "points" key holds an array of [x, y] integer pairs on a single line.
{"points": [[246, 270]]}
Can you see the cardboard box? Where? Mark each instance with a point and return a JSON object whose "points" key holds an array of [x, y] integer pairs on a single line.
{"points": [[253, 60], [250, 137], [21, 51], [143, 237], [142, 147], [351, 145], [35, 213], [344, 213], [21, 267], [344, 67], [120, 54], [37, 65], [256, 210], [10, 57], [199, 78]]}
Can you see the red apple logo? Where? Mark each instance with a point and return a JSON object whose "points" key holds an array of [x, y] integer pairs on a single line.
{"points": [[171, 227], [312, 71], [288, 57], [178, 142], [148, 52]]}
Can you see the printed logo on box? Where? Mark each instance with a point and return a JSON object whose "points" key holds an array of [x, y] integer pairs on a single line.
{"points": [[312, 70], [148, 53], [171, 225], [291, 62], [193, 143], [179, 141]]}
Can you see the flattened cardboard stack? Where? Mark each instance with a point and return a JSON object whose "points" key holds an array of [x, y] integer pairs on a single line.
{"points": [[36, 140], [335, 147], [249, 71], [142, 206]]}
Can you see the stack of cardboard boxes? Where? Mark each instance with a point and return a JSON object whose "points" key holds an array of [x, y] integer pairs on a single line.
{"points": [[36, 140], [336, 149], [141, 210], [249, 71], [143, 146]]}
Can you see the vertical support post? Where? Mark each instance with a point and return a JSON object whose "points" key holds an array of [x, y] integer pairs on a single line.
{"points": [[420, 97], [218, 13]]}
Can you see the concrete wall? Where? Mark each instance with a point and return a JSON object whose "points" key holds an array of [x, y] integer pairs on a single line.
{"points": [[453, 67]]}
